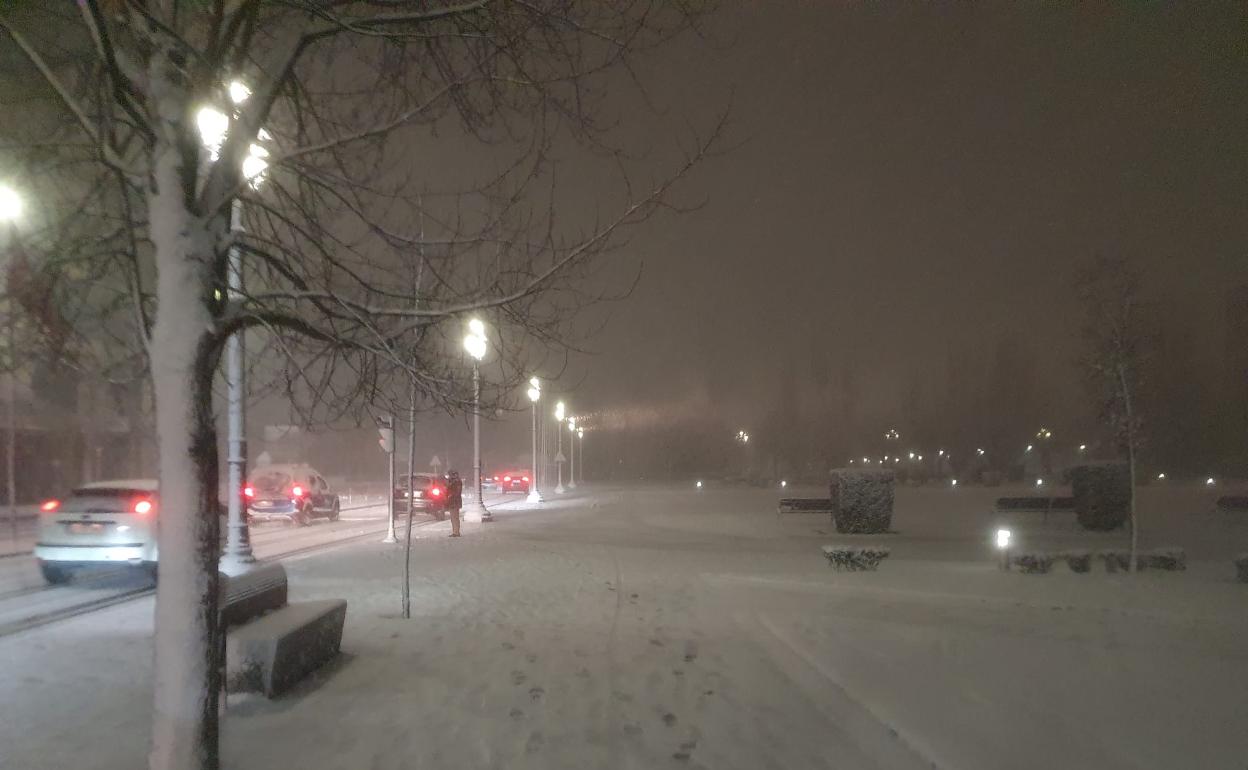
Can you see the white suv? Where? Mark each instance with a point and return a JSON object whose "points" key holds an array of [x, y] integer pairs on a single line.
{"points": [[107, 522]]}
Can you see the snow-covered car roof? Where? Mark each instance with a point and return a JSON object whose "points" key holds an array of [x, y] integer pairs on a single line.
{"points": [[145, 485], [290, 469]]}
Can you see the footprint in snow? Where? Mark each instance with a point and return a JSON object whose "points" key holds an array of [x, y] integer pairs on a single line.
{"points": [[536, 693], [531, 657], [518, 678], [669, 719], [516, 714], [535, 743], [691, 652]]}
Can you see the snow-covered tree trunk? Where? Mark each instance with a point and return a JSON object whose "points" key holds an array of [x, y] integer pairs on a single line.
{"points": [[184, 732], [1129, 412]]}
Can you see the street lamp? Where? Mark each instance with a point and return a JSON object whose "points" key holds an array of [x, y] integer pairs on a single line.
{"points": [[572, 453], [213, 126], [580, 434], [559, 413], [535, 395], [476, 344], [11, 211], [1003, 545]]}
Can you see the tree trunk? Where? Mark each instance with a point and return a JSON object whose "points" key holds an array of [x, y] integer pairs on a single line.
{"points": [[185, 721], [1129, 411]]}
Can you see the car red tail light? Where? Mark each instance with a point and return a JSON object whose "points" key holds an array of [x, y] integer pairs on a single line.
{"points": [[48, 506], [506, 478], [436, 491], [249, 492], [142, 507], [526, 478], [296, 491]]}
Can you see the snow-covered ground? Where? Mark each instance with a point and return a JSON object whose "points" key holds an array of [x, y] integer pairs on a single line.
{"points": [[639, 627]]}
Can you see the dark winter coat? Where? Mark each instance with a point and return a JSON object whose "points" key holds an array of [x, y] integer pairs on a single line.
{"points": [[455, 494]]}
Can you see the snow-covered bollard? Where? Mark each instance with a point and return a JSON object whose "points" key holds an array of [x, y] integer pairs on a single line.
{"points": [[1034, 562], [1170, 559], [855, 558], [862, 500], [1241, 567], [1116, 560], [1079, 561]]}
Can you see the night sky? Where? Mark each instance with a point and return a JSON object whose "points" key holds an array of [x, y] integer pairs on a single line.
{"points": [[913, 183]]}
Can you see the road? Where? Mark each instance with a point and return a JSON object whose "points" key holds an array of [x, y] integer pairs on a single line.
{"points": [[26, 600]]}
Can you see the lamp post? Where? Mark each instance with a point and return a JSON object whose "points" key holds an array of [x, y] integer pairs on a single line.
{"points": [[572, 453], [213, 126], [580, 433], [10, 211], [535, 395], [559, 412], [476, 344]]}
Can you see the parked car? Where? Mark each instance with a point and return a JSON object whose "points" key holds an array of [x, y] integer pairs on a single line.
{"points": [[513, 481], [103, 523], [294, 494], [429, 494]]}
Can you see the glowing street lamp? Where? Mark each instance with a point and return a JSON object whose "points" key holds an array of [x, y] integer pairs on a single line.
{"points": [[535, 395], [11, 205], [476, 344], [1003, 545], [214, 126], [11, 211], [580, 434]]}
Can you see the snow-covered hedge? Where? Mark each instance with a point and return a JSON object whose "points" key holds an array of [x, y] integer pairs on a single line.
{"points": [[1102, 495], [1241, 567], [862, 500], [855, 558], [1033, 562]]}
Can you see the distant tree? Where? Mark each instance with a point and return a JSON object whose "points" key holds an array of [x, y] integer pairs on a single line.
{"points": [[1116, 343]]}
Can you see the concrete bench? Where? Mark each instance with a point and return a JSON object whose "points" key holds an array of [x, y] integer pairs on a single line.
{"points": [[1042, 504], [271, 653], [1233, 504], [804, 505], [250, 593]]}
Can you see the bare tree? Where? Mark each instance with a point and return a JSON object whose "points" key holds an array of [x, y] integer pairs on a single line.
{"points": [[344, 96], [1116, 343]]}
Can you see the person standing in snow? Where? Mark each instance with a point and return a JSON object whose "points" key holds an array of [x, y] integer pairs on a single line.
{"points": [[454, 499]]}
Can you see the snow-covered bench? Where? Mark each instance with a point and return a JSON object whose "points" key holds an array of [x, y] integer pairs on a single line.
{"points": [[1042, 504], [272, 653], [804, 505], [267, 644], [1233, 504]]}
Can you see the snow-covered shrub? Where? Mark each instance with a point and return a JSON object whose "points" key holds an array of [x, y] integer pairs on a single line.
{"points": [[862, 500], [1102, 495], [1078, 561], [1241, 567], [1163, 558], [1116, 561], [1033, 563], [855, 558]]}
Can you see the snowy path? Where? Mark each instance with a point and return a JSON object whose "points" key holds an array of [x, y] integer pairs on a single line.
{"points": [[640, 628]]}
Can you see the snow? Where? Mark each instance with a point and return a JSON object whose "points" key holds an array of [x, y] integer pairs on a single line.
{"points": [[644, 627]]}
